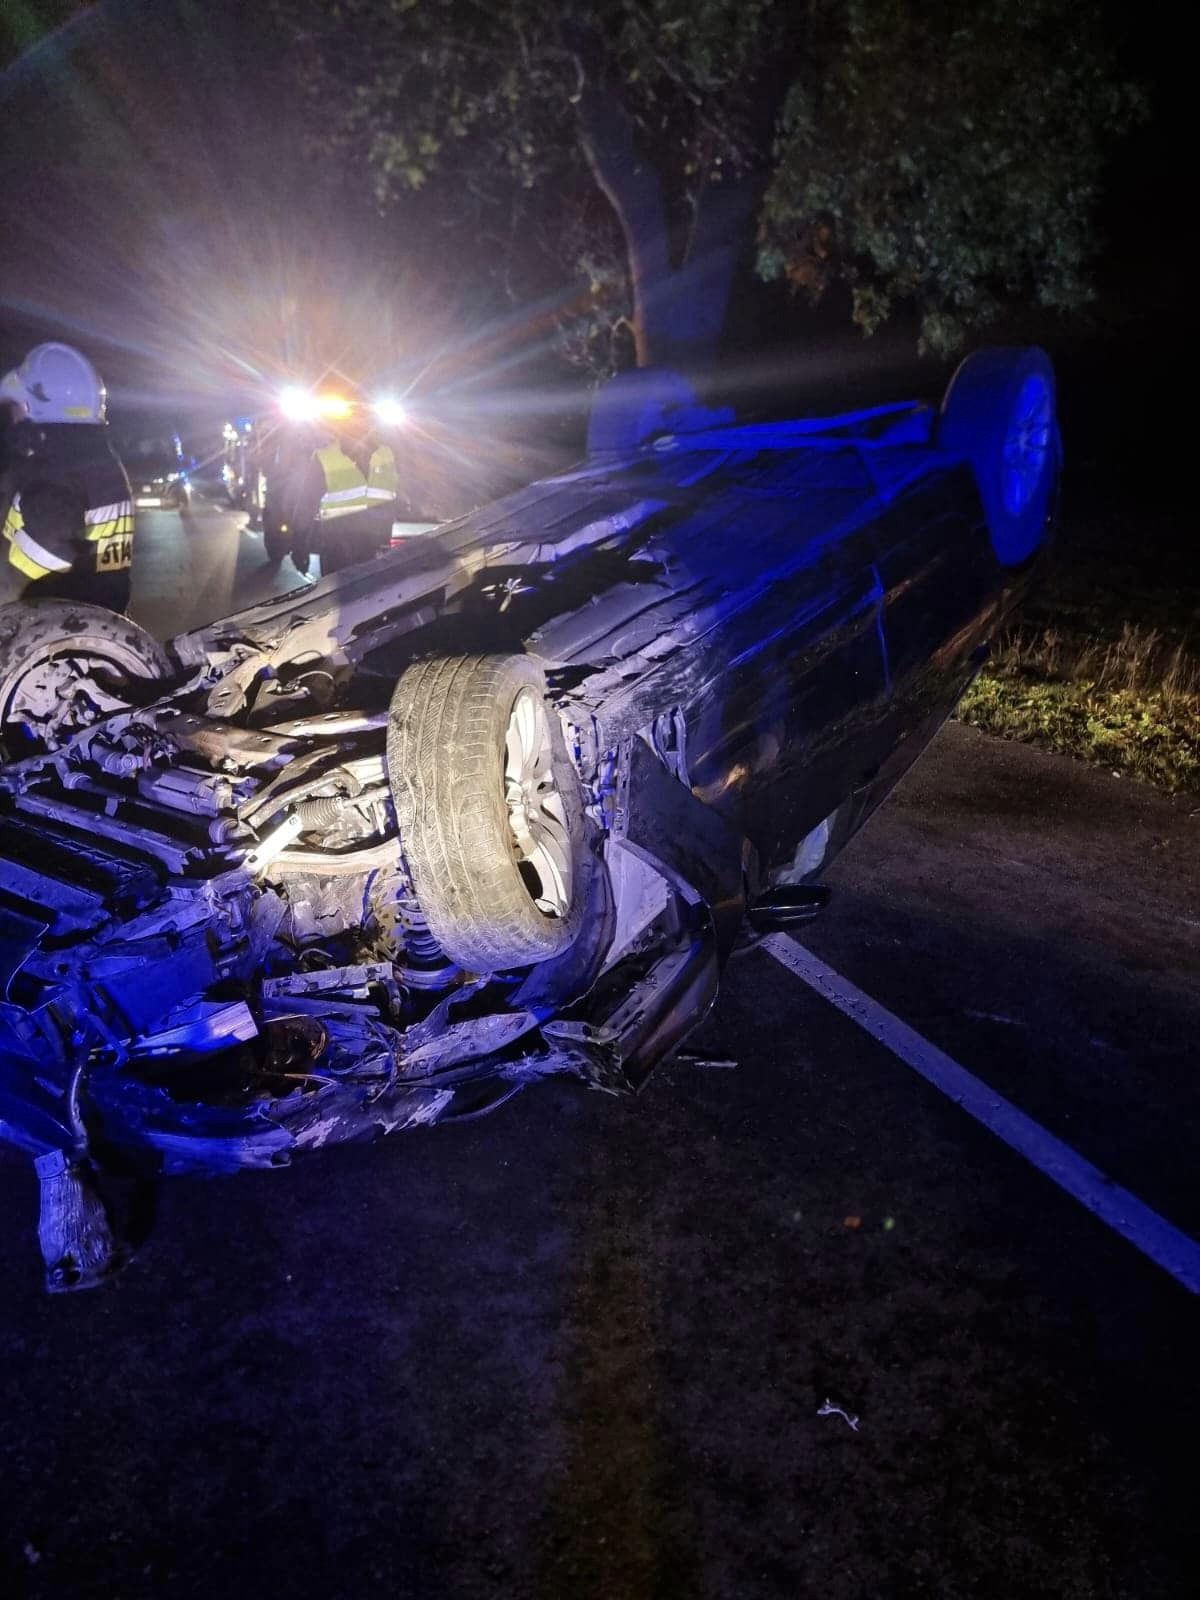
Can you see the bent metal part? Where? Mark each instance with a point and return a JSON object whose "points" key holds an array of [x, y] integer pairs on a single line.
{"points": [[231, 931]]}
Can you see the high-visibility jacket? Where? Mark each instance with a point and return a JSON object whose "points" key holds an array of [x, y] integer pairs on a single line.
{"points": [[348, 489], [68, 516]]}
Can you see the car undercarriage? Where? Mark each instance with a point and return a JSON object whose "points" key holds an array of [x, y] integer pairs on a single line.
{"points": [[490, 808]]}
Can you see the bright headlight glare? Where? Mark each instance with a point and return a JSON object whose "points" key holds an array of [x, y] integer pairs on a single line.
{"points": [[298, 405], [334, 405], [390, 412]]}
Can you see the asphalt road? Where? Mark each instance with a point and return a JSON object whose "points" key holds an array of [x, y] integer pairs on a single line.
{"points": [[578, 1349], [195, 566]]}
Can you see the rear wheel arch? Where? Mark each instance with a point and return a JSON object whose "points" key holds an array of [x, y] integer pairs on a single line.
{"points": [[40, 637]]}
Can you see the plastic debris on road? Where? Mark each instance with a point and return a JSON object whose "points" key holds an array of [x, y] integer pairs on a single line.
{"points": [[830, 1410]]}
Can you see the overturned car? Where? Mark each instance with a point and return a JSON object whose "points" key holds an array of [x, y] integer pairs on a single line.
{"points": [[494, 806]]}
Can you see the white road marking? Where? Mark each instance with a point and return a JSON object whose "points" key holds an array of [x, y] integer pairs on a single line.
{"points": [[1153, 1235]]}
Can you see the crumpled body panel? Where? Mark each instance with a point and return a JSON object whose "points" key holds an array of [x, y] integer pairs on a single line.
{"points": [[211, 953]]}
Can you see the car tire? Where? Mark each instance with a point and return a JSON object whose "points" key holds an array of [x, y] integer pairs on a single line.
{"points": [[489, 809], [999, 416], [37, 634]]}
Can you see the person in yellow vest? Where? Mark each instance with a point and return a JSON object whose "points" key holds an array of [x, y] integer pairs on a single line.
{"points": [[66, 511], [346, 502]]}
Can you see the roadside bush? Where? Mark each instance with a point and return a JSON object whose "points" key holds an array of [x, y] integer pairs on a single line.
{"points": [[1132, 702]]}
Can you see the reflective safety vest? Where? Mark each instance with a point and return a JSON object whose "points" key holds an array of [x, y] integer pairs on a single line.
{"points": [[348, 489], [108, 528]]}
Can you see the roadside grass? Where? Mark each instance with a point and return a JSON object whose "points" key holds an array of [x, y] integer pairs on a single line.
{"points": [[1103, 664]]}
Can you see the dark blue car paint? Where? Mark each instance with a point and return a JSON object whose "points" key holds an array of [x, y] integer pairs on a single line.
{"points": [[802, 604]]}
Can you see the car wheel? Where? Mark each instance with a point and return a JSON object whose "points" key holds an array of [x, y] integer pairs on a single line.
{"points": [[489, 809], [63, 665], [999, 415]]}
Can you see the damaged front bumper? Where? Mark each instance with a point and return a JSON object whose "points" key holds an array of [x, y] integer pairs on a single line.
{"points": [[349, 1077], [265, 1068]]}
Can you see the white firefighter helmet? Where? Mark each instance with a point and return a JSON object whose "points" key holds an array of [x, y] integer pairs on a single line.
{"points": [[55, 383]]}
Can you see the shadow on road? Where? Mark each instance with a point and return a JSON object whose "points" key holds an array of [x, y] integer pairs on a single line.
{"points": [[579, 1348]]}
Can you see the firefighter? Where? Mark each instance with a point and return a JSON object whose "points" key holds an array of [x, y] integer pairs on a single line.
{"points": [[345, 502], [64, 496]]}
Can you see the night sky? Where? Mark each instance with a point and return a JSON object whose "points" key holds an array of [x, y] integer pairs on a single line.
{"points": [[160, 208]]}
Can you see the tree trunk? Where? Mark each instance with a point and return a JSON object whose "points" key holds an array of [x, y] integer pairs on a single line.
{"points": [[696, 295], [633, 189], [678, 312]]}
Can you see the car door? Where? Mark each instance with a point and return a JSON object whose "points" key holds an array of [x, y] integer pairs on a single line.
{"points": [[769, 672], [742, 637], [942, 594], [787, 726]]}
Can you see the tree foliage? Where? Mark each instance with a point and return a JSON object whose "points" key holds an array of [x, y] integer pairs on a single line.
{"points": [[951, 157], [917, 150], [26, 23], [603, 139], [431, 88]]}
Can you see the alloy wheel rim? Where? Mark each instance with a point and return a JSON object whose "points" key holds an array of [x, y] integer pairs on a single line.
{"points": [[537, 816], [1027, 445]]}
